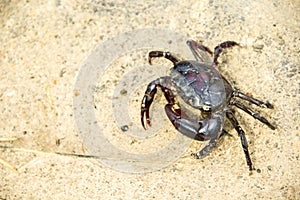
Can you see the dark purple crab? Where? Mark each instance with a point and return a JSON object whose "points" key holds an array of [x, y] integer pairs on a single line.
{"points": [[200, 85]]}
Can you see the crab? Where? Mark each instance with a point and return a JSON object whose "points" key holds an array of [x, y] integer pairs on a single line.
{"points": [[199, 85]]}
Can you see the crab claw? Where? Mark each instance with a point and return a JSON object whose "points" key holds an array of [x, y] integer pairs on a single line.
{"points": [[165, 54], [145, 113], [148, 98], [146, 103], [154, 54]]}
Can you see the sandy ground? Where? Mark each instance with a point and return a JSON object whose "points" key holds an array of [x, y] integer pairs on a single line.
{"points": [[45, 46]]}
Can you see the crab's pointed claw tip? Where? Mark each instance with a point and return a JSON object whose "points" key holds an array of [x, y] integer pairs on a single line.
{"points": [[144, 127], [269, 105], [143, 121], [150, 57], [272, 127], [251, 168], [150, 60], [148, 122], [188, 42], [143, 124]]}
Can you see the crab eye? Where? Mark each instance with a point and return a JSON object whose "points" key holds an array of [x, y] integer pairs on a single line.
{"points": [[207, 108]]}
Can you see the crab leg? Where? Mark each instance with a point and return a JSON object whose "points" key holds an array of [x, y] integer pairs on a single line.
{"points": [[165, 54], [252, 100], [208, 129], [163, 83], [218, 49], [252, 113], [241, 133], [200, 52]]}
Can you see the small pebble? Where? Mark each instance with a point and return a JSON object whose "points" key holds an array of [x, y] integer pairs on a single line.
{"points": [[258, 46], [123, 92], [124, 128], [258, 170]]}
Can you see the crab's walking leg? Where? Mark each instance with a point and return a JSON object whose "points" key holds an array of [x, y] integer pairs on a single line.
{"points": [[252, 113], [200, 52], [252, 100], [203, 152], [218, 49], [165, 54], [225, 133], [163, 83], [241, 133]]}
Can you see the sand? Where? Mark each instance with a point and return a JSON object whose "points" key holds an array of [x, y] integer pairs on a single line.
{"points": [[73, 74]]}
